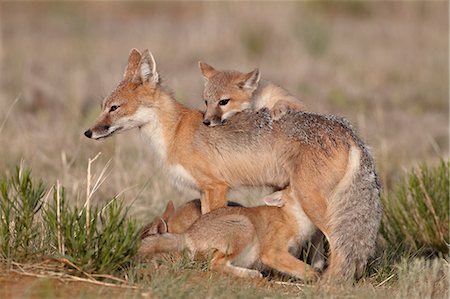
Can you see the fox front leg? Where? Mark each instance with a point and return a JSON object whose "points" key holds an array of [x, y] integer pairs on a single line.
{"points": [[281, 107], [214, 197]]}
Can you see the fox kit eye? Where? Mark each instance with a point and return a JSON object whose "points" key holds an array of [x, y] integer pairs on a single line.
{"points": [[113, 108], [224, 102], [206, 103]]}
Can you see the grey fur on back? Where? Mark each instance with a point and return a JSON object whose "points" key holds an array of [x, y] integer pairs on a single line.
{"points": [[356, 211]]}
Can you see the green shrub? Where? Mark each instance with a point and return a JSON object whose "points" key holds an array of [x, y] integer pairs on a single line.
{"points": [[416, 213], [100, 243], [21, 200], [103, 241]]}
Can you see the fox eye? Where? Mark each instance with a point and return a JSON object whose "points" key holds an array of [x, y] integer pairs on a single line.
{"points": [[206, 103], [224, 102], [113, 108]]}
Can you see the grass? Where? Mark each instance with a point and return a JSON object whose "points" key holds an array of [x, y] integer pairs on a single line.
{"points": [[101, 240], [99, 246], [21, 200], [416, 212]]}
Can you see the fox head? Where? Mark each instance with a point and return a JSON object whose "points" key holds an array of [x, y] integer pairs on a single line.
{"points": [[226, 93], [159, 225], [129, 105]]}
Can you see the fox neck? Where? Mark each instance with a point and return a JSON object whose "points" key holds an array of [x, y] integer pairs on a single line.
{"points": [[165, 116]]}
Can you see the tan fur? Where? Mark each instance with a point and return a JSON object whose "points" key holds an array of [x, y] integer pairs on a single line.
{"points": [[240, 238], [178, 221], [174, 220], [243, 91], [308, 152]]}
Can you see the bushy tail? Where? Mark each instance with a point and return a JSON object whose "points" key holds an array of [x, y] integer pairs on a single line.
{"points": [[355, 215], [161, 244]]}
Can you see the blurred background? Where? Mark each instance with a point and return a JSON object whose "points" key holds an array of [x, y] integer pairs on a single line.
{"points": [[382, 65]]}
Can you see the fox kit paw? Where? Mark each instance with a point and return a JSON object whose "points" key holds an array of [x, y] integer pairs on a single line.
{"points": [[254, 274], [274, 200], [278, 111]]}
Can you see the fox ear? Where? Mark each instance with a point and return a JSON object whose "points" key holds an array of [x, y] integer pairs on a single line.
{"points": [[133, 62], [250, 80], [146, 70], [170, 209], [162, 227], [207, 70]]}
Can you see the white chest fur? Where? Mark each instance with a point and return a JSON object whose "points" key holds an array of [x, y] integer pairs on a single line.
{"points": [[181, 178], [152, 130]]}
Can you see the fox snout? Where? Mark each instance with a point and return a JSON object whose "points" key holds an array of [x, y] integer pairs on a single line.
{"points": [[214, 121], [98, 132], [88, 133]]}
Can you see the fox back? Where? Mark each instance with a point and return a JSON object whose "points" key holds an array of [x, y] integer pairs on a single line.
{"points": [[178, 220]]}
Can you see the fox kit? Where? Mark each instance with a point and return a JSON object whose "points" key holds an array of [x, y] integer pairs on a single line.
{"points": [[178, 221], [229, 92], [325, 164], [240, 238]]}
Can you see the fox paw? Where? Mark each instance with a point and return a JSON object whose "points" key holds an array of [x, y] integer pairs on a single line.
{"points": [[278, 111], [254, 274], [274, 200]]}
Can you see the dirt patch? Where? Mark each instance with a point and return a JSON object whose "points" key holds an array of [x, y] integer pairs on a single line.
{"points": [[14, 285]]}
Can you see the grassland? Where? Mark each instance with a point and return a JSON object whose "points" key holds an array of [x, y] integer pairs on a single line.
{"points": [[384, 66]]}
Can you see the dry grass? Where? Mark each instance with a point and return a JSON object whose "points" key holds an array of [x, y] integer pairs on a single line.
{"points": [[384, 66], [171, 277]]}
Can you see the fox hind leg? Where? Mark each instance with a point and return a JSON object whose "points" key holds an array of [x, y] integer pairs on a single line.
{"points": [[317, 253], [222, 262], [283, 261]]}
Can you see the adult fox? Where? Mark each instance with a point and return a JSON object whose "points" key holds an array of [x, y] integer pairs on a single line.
{"points": [[327, 166]]}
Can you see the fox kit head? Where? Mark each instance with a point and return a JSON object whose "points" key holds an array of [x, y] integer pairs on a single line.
{"points": [[159, 225], [129, 105], [226, 93]]}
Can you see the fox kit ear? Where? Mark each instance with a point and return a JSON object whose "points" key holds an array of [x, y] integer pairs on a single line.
{"points": [[250, 80], [207, 70], [170, 209], [162, 227], [146, 70], [133, 62]]}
